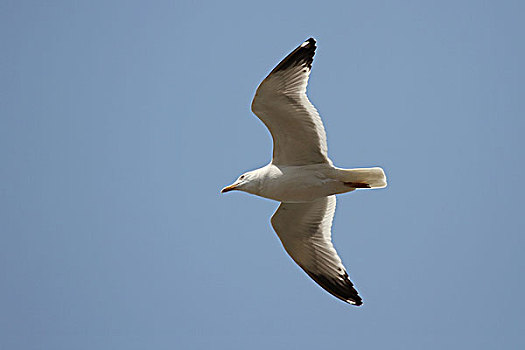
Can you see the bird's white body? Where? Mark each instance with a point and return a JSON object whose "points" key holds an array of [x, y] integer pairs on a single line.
{"points": [[300, 183], [301, 175], [305, 183]]}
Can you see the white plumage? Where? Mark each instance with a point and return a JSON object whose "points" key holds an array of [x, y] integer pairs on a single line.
{"points": [[301, 175], [282, 105]]}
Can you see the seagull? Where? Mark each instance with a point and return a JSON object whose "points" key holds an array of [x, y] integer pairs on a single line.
{"points": [[301, 176]]}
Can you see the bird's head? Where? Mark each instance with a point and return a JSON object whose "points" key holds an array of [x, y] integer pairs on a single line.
{"points": [[247, 182]]}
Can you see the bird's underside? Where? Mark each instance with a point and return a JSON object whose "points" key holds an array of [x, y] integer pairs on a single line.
{"points": [[301, 174]]}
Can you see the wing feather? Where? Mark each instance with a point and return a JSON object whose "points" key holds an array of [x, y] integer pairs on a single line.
{"points": [[299, 137], [305, 232]]}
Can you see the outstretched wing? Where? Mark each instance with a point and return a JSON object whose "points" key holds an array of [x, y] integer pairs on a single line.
{"points": [[281, 103], [305, 231]]}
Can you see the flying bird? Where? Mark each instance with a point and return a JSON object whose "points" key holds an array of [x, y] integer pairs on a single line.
{"points": [[301, 176]]}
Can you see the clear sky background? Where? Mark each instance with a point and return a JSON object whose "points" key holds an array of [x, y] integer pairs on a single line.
{"points": [[120, 121]]}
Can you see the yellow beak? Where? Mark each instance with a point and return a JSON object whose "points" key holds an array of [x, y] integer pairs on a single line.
{"points": [[229, 188]]}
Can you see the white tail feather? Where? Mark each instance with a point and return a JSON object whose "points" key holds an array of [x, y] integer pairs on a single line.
{"points": [[374, 177]]}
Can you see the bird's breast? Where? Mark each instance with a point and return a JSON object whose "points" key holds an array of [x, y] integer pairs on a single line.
{"points": [[296, 184]]}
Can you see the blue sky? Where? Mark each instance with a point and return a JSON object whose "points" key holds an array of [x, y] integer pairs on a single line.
{"points": [[120, 121]]}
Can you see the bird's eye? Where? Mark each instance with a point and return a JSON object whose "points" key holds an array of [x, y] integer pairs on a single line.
{"points": [[242, 177]]}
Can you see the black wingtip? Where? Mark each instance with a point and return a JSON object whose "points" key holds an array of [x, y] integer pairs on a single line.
{"points": [[301, 56], [358, 302], [310, 41], [341, 288]]}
